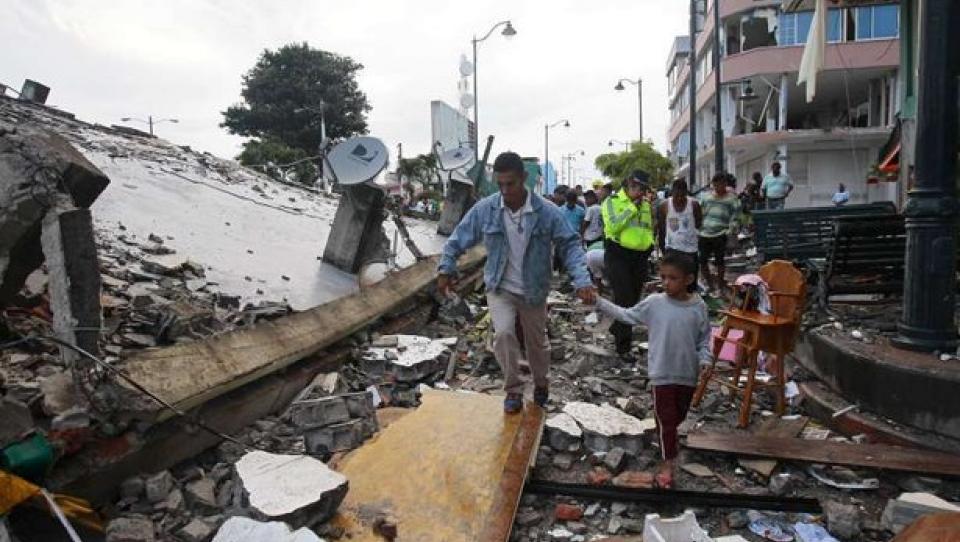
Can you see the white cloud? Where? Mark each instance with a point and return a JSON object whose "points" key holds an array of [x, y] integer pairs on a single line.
{"points": [[181, 58]]}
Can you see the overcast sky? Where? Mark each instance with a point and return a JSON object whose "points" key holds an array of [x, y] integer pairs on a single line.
{"points": [[184, 58]]}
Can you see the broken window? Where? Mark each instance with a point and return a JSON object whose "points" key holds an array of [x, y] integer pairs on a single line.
{"points": [[759, 29]]}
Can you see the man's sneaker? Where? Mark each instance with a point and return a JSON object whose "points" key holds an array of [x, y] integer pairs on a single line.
{"points": [[513, 403], [540, 396]]}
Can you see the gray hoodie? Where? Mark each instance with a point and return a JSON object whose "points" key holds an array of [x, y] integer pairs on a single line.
{"points": [[679, 335]]}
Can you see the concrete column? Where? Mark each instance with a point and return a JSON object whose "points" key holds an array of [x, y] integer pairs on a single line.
{"points": [[458, 201], [783, 99], [37, 170], [74, 284], [357, 237]]}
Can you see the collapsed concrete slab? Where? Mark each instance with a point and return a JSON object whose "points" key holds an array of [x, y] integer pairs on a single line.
{"points": [[37, 168], [563, 433], [297, 489], [241, 529], [606, 427]]}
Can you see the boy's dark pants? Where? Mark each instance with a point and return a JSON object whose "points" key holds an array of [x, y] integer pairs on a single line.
{"points": [[670, 405]]}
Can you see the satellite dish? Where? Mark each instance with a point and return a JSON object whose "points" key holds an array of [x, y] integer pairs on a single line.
{"points": [[357, 160], [455, 158], [466, 100], [466, 67]]}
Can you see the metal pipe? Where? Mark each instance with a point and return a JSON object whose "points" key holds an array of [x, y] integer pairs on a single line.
{"points": [[692, 106], [718, 119]]}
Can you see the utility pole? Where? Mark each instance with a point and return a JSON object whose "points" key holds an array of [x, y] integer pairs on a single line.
{"points": [[929, 293], [718, 119], [692, 106]]}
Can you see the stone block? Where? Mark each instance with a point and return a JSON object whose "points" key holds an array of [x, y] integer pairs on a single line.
{"points": [[563, 433], [201, 495], [319, 412], [615, 460], [130, 529], [843, 520], [323, 441], [197, 530], [908, 507], [159, 486], [241, 529]]}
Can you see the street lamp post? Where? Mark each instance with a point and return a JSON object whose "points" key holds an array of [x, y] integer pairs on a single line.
{"points": [[718, 120], [149, 121], [639, 84], [570, 158], [507, 32], [546, 144]]}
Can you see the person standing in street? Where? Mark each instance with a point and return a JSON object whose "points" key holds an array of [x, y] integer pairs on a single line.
{"points": [[518, 229], [679, 327], [841, 197], [573, 212], [628, 242], [679, 220], [721, 209], [591, 230], [776, 187]]}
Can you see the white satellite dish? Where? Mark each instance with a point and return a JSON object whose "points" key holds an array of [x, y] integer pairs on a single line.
{"points": [[455, 158], [357, 160], [466, 100], [466, 67]]}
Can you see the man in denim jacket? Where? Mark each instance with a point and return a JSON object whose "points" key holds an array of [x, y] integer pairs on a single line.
{"points": [[518, 229]]}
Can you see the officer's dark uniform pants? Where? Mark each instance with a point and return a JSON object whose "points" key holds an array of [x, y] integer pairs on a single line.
{"points": [[627, 270]]}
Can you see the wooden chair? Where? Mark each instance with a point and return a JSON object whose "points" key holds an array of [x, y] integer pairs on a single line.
{"points": [[774, 333]]}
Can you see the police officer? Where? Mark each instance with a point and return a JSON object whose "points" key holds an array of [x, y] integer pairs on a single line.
{"points": [[628, 242]]}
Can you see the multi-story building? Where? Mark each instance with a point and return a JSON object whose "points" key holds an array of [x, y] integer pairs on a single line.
{"points": [[836, 138]]}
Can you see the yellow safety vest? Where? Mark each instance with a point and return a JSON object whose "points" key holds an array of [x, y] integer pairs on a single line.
{"points": [[626, 224]]}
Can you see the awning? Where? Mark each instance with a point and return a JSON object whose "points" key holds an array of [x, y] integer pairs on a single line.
{"points": [[889, 159]]}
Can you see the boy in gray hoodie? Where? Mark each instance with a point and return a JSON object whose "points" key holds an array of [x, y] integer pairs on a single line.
{"points": [[679, 338]]}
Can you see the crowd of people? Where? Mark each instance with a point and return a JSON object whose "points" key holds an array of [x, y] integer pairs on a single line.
{"points": [[604, 240]]}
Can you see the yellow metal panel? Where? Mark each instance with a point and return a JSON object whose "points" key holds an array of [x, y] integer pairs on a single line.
{"points": [[451, 471]]}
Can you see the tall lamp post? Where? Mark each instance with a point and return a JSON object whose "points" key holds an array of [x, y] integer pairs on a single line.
{"points": [[626, 144], [507, 32], [149, 121], [546, 144], [570, 158], [639, 84]]}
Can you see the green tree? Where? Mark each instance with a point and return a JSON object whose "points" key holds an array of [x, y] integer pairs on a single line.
{"points": [[642, 155], [278, 160], [284, 92]]}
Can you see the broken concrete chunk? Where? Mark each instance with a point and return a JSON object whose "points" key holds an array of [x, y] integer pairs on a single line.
{"points": [[241, 529], [60, 394], [202, 495], [319, 412], [563, 433], [291, 485], [15, 420], [130, 529], [606, 427], [906, 508], [615, 460], [413, 358], [159, 486], [195, 531], [843, 520]]}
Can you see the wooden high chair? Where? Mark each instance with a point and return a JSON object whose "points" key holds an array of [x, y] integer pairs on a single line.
{"points": [[774, 333]]}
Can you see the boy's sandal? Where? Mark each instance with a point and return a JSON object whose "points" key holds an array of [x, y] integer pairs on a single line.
{"points": [[664, 480]]}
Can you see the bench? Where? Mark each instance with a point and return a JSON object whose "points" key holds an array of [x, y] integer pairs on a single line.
{"points": [[867, 255], [803, 233]]}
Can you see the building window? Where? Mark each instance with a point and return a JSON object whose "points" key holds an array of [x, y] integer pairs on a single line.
{"points": [[794, 27], [877, 22], [834, 25]]}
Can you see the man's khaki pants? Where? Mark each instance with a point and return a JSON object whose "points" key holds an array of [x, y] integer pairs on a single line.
{"points": [[506, 309]]}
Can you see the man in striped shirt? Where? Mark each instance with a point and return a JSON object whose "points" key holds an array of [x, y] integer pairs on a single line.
{"points": [[721, 211]]}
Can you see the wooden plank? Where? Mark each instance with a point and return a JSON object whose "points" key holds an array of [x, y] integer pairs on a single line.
{"points": [[879, 456], [187, 375], [452, 470], [773, 427]]}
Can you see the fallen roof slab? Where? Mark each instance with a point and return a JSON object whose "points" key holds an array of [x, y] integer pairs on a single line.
{"points": [[187, 375], [879, 456], [452, 470]]}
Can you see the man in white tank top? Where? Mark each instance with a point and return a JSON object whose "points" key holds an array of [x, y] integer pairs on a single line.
{"points": [[678, 221]]}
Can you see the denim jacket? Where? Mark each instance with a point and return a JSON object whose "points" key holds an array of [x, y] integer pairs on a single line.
{"points": [[544, 227]]}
